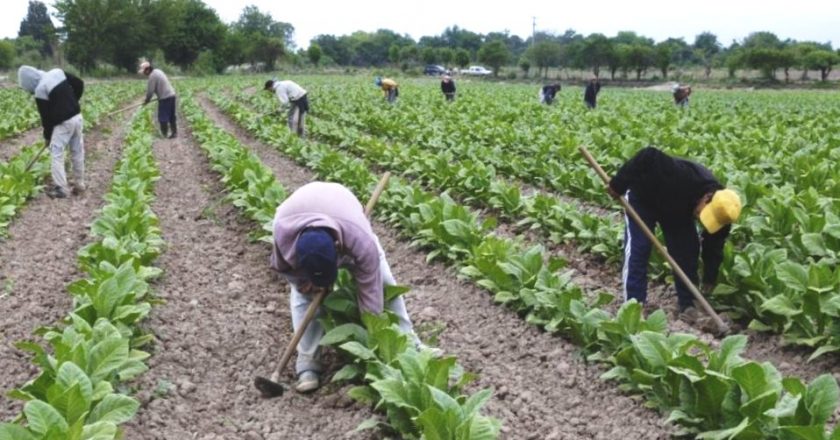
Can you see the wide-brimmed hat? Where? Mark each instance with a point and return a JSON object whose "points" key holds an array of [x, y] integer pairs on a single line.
{"points": [[317, 256], [143, 66], [723, 209]]}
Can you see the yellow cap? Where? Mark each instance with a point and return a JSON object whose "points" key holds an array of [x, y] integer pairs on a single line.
{"points": [[723, 209]]}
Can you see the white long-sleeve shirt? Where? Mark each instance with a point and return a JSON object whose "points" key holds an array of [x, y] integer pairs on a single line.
{"points": [[288, 90]]}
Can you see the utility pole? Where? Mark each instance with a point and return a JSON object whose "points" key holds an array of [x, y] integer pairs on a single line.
{"points": [[533, 30]]}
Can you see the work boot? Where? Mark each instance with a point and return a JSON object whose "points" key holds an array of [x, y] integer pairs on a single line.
{"points": [[174, 131], [57, 192], [78, 188], [307, 382], [163, 129]]}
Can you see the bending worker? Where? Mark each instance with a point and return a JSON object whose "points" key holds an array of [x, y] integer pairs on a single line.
{"points": [[57, 94], [389, 87], [447, 86], [673, 192], [548, 92], [319, 228], [291, 94]]}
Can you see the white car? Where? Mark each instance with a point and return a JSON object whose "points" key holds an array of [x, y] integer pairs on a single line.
{"points": [[476, 70]]}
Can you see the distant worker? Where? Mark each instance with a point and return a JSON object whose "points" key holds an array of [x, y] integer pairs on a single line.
{"points": [[590, 95], [317, 229], [447, 86], [291, 94], [681, 94], [389, 87], [160, 86], [548, 92], [57, 94], [673, 192]]}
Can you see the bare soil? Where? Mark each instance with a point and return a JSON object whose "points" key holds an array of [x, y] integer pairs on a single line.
{"points": [[543, 389], [12, 146], [39, 259], [224, 321]]}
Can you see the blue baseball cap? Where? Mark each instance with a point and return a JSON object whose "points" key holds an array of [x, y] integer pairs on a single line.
{"points": [[317, 256]]}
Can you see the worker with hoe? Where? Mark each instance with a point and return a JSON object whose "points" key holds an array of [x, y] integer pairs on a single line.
{"points": [[57, 94], [447, 86], [289, 93], [590, 94], [389, 87], [319, 228], [681, 94], [160, 86], [673, 192], [548, 92]]}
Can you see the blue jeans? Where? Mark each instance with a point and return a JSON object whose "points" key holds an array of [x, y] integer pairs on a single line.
{"points": [[683, 243]]}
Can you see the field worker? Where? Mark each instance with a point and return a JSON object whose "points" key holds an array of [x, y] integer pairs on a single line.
{"points": [[389, 87], [319, 228], [673, 192], [160, 86], [590, 95], [447, 86], [57, 94], [291, 94], [681, 94], [548, 92]]}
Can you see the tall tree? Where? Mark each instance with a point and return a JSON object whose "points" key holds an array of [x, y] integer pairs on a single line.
{"points": [[663, 57], [822, 60], [495, 54], [544, 54], [594, 52], [462, 57], [314, 53], [266, 38], [7, 54], [116, 31], [38, 25], [196, 28], [706, 46]]}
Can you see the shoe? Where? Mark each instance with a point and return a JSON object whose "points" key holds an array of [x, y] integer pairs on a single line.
{"points": [[307, 382], [57, 192], [79, 188], [172, 135], [690, 315]]}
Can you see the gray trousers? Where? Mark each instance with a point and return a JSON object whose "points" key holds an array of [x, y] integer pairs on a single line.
{"points": [[67, 133], [297, 120], [309, 349]]}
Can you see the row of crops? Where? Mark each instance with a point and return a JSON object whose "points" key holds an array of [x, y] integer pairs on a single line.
{"points": [[19, 184], [710, 392], [86, 357], [777, 149]]}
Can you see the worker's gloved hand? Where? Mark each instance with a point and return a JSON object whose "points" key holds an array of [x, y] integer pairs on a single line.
{"points": [[145, 102]]}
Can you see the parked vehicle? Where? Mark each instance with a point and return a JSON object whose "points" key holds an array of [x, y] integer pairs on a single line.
{"points": [[434, 69], [476, 70]]}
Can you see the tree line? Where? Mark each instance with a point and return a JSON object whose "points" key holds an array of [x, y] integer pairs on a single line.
{"points": [[190, 35]]}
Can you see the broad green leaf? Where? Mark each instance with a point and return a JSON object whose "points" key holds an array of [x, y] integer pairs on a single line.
{"points": [[13, 431], [100, 431], [42, 417], [821, 398], [343, 333], [107, 356], [358, 350], [114, 408], [725, 434]]}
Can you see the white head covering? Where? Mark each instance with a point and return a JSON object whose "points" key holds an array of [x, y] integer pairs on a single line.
{"points": [[29, 77], [143, 66]]}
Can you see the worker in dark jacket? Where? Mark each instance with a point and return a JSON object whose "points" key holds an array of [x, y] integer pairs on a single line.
{"points": [[681, 94], [590, 95], [548, 92], [447, 86], [57, 94], [673, 192]]}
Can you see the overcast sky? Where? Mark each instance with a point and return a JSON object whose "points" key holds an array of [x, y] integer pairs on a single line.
{"points": [[817, 20]]}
